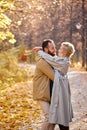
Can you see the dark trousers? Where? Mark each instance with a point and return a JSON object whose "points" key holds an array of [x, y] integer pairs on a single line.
{"points": [[63, 127]]}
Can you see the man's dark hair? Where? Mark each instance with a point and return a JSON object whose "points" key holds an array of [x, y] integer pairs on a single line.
{"points": [[45, 43]]}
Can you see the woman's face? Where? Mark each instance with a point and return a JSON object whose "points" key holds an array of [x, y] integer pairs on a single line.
{"points": [[62, 51]]}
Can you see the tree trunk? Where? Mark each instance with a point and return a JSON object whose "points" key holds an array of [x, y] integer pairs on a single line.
{"points": [[71, 5], [83, 39], [86, 41]]}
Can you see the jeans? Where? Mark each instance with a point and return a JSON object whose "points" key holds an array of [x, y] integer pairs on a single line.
{"points": [[46, 125], [45, 108]]}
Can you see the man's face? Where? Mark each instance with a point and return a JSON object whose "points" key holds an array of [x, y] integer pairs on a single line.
{"points": [[51, 49]]}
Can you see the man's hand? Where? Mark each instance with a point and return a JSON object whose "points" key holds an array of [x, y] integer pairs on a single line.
{"points": [[36, 49]]}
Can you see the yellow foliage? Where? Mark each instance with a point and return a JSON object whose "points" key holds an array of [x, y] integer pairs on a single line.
{"points": [[6, 37], [4, 21], [10, 72], [2, 25], [9, 34], [18, 111], [2, 36], [17, 108], [6, 4], [12, 41]]}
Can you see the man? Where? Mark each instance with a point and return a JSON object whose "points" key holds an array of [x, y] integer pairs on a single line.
{"points": [[41, 82]]}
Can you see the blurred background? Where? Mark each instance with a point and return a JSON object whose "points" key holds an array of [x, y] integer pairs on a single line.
{"points": [[28, 22]]}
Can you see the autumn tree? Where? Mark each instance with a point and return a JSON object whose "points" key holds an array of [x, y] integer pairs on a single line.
{"points": [[6, 37], [34, 21], [84, 33]]}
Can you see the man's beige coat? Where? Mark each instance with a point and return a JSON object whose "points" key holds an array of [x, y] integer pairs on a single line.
{"points": [[41, 81]]}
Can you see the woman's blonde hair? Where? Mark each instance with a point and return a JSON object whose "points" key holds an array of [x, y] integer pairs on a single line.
{"points": [[69, 48]]}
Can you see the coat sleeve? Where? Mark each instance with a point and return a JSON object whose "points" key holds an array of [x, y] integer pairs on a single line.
{"points": [[46, 69], [55, 62]]}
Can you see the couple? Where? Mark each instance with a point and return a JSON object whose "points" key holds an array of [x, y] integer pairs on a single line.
{"points": [[50, 84]]}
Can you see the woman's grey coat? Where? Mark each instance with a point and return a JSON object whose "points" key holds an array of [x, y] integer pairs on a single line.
{"points": [[61, 107]]}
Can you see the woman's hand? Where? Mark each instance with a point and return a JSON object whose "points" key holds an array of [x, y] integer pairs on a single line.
{"points": [[36, 49]]}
